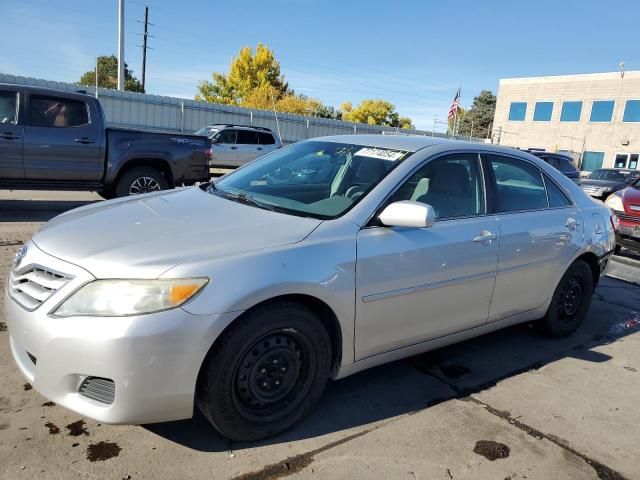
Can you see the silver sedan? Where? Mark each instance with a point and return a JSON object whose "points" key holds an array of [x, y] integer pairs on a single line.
{"points": [[243, 297]]}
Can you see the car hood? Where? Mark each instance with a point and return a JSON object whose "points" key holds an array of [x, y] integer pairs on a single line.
{"points": [[147, 235], [602, 183]]}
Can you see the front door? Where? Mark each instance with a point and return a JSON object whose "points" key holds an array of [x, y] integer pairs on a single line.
{"points": [[62, 141], [540, 232], [11, 138], [224, 149], [416, 284]]}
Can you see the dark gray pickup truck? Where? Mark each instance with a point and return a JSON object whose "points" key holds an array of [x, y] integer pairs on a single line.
{"points": [[50, 139]]}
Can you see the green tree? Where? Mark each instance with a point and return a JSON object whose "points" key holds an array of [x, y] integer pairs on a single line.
{"points": [[479, 115], [450, 121], [248, 72], [108, 75], [375, 112]]}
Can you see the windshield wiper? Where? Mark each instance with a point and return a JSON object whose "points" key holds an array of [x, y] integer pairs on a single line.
{"points": [[247, 200]]}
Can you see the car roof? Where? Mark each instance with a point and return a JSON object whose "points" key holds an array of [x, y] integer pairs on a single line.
{"points": [[82, 89], [242, 127], [413, 143]]}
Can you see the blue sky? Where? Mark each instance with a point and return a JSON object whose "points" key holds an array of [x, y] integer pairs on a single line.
{"points": [[412, 53]]}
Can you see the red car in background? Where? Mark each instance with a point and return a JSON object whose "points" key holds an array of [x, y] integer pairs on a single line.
{"points": [[626, 206]]}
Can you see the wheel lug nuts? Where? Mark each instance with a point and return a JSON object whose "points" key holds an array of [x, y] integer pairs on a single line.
{"points": [[277, 382], [263, 370], [264, 384], [275, 360], [283, 369]]}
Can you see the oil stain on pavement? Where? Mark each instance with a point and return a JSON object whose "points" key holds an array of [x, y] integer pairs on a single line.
{"points": [[101, 451], [53, 428], [491, 450], [77, 428]]}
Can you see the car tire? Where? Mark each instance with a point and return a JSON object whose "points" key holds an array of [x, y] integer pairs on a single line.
{"points": [[140, 180], [617, 249], [266, 372], [570, 301]]}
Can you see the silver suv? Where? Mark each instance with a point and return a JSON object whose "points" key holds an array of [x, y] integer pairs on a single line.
{"points": [[235, 145]]}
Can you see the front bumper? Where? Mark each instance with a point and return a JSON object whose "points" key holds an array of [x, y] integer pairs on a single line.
{"points": [[152, 359]]}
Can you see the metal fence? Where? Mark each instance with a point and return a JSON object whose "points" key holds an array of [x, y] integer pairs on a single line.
{"points": [[155, 112]]}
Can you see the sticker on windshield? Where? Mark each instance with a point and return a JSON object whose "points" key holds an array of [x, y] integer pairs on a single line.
{"points": [[391, 155]]}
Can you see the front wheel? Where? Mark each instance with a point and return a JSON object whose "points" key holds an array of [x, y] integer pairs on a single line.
{"points": [[266, 372], [570, 301], [140, 180]]}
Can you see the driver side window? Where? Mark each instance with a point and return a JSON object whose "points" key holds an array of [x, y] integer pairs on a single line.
{"points": [[452, 185], [227, 136]]}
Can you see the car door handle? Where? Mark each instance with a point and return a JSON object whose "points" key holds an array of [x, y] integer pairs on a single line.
{"points": [[484, 236], [9, 136], [84, 140], [259, 148], [572, 223], [233, 148]]}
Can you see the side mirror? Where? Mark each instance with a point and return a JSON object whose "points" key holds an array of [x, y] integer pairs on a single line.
{"points": [[408, 214], [214, 140]]}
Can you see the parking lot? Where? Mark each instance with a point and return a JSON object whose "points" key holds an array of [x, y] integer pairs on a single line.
{"points": [[509, 405]]}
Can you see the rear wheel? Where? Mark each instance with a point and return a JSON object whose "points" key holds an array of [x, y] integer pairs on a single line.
{"points": [[266, 372], [570, 301], [140, 180]]}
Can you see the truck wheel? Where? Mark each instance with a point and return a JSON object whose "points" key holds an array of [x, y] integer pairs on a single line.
{"points": [[266, 372], [107, 194], [570, 301], [140, 180]]}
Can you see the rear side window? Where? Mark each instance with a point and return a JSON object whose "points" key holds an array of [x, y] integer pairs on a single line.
{"points": [[565, 166], [557, 197], [8, 108], [519, 185], [266, 138], [56, 112], [247, 137]]}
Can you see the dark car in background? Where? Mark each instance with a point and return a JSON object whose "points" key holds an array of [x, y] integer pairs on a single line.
{"points": [[603, 182], [57, 140], [563, 163]]}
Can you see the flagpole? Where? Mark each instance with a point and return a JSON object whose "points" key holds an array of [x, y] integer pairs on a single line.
{"points": [[455, 131]]}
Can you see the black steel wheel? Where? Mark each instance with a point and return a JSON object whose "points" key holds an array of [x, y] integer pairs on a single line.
{"points": [[570, 301], [266, 372]]}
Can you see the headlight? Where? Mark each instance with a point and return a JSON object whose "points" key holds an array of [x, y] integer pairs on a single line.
{"points": [[615, 203], [115, 298]]}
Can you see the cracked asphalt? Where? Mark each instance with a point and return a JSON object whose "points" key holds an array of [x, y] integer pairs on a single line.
{"points": [[509, 405]]}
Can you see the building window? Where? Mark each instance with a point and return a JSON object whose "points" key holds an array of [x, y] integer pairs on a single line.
{"points": [[542, 112], [631, 111], [626, 160], [517, 111], [592, 161], [602, 111], [571, 111]]}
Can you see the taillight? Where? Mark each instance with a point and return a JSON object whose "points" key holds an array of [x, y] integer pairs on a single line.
{"points": [[208, 153], [614, 222]]}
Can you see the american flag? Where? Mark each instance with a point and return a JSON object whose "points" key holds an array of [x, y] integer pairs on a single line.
{"points": [[455, 105]]}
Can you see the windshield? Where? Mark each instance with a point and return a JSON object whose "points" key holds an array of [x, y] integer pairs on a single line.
{"points": [[313, 178], [207, 131], [609, 175]]}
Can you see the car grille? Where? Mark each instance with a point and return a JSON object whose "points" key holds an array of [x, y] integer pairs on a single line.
{"points": [[627, 217], [100, 389], [32, 287]]}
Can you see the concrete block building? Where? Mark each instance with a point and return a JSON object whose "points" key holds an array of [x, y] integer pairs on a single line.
{"points": [[594, 117]]}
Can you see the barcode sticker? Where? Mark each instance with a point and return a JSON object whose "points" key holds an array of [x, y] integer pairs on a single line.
{"points": [[383, 154]]}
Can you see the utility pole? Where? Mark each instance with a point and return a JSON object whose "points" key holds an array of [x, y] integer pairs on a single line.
{"points": [[144, 46], [121, 45]]}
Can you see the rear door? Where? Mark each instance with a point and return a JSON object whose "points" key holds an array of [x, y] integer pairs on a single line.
{"points": [[11, 137], [267, 143], [249, 147], [225, 150], [62, 140], [540, 231]]}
